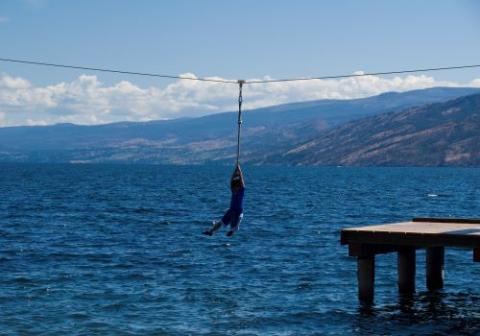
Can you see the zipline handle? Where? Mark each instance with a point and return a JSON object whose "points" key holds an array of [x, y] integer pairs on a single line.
{"points": [[240, 99]]}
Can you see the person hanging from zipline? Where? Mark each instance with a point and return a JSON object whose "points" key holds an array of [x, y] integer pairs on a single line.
{"points": [[234, 214]]}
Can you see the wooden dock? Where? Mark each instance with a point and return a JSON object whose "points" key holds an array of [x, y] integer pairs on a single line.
{"points": [[432, 234]]}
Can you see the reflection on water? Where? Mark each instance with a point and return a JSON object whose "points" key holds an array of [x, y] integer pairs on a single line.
{"points": [[426, 313]]}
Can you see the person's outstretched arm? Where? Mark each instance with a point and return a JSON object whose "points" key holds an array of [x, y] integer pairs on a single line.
{"points": [[238, 172]]}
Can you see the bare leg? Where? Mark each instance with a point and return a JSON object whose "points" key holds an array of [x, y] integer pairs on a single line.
{"points": [[216, 225]]}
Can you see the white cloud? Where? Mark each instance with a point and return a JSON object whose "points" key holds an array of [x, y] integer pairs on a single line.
{"points": [[475, 82], [87, 100]]}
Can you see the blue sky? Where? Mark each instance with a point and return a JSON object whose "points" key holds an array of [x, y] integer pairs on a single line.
{"points": [[229, 39]]}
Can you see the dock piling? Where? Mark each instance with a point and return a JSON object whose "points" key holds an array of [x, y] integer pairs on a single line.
{"points": [[476, 254], [366, 278], [435, 267], [406, 270]]}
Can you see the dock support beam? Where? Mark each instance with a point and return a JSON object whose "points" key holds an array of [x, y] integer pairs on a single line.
{"points": [[406, 270], [366, 278], [435, 262]]}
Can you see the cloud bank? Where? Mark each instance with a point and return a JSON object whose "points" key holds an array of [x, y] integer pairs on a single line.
{"points": [[87, 100]]}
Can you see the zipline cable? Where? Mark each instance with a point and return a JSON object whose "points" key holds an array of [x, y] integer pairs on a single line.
{"points": [[11, 60], [226, 81], [266, 81]]}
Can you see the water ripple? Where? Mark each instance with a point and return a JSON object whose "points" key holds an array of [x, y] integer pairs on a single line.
{"points": [[117, 250]]}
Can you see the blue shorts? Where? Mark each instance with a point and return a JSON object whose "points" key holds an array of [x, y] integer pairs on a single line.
{"points": [[233, 218]]}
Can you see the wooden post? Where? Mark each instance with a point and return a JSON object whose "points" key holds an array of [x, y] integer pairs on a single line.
{"points": [[406, 270], [435, 262], [366, 278], [476, 254]]}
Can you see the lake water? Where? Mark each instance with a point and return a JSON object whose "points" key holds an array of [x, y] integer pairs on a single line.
{"points": [[118, 250]]}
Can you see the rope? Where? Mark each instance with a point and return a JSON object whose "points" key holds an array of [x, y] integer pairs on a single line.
{"points": [[240, 99]]}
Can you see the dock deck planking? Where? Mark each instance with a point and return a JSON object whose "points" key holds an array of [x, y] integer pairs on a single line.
{"points": [[457, 233], [404, 238]]}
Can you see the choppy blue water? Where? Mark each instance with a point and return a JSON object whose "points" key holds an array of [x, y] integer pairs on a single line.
{"points": [[117, 250]]}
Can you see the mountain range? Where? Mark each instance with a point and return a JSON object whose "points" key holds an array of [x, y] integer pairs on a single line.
{"points": [[438, 134], [434, 126]]}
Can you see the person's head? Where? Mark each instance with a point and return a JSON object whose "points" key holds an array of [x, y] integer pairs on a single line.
{"points": [[236, 183]]}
